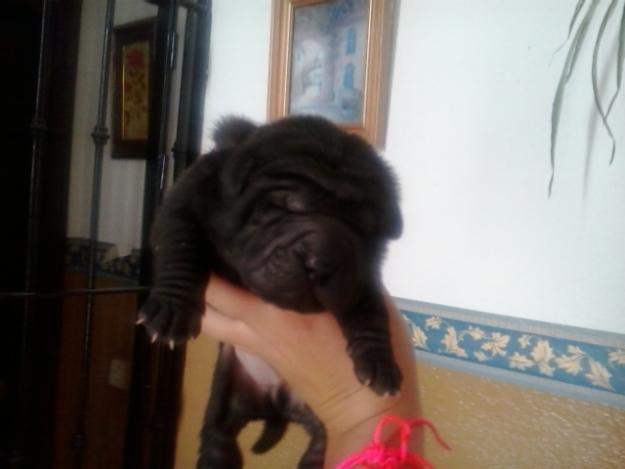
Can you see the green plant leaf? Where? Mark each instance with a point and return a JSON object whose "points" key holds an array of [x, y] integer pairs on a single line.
{"points": [[567, 70], [619, 62], [595, 83], [578, 9]]}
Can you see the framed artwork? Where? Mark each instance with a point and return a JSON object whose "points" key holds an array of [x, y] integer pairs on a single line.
{"points": [[332, 58], [133, 77]]}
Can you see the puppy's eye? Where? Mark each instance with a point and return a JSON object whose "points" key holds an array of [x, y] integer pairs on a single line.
{"points": [[276, 200], [287, 200], [295, 203]]}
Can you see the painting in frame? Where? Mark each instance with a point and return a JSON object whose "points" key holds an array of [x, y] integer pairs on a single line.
{"points": [[332, 58], [132, 63]]}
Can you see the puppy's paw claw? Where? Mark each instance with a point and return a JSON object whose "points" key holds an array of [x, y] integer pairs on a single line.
{"points": [[378, 372], [172, 321], [391, 395]]}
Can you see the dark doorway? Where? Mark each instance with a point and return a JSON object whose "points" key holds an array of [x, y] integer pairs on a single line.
{"points": [[80, 385]]}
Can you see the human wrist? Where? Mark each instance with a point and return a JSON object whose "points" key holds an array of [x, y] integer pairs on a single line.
{"points": [[396, 442], [352, 428], [341, 444]]}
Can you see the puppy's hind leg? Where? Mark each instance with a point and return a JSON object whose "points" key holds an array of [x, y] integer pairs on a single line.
{"points": [[234, 401], [218, 438], [314, 456]]}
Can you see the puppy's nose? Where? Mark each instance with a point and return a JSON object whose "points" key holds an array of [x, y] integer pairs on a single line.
{"points": [[318, 269]]}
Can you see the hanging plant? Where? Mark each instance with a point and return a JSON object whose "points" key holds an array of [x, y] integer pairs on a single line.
{"points": [[576, 36]]}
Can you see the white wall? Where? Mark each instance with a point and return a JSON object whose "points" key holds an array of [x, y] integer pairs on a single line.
{"points": [[121, 205], [474, 83], [238, 62], [472, 88]]}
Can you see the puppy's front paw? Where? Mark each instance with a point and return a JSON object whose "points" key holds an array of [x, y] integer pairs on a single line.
{"points": [[376, 368], [172, 321]]}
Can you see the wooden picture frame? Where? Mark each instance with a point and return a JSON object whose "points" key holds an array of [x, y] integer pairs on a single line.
{"points": [[133, 68], [332, 58]]}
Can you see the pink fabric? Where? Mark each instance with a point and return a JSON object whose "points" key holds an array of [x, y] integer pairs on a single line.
{"points": [[378, 455]]}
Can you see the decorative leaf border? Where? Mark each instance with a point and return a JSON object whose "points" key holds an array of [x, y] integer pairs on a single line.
{"points": [[569, 361]]}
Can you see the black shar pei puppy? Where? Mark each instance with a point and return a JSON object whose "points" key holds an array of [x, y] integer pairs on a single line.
{"points": [[298, 212]]}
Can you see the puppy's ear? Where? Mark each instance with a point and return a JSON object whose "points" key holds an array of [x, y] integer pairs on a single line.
{"points": [[232, 131], [383, 194]]}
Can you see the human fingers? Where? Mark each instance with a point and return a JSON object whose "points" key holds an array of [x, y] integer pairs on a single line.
{"points": [[225, 328], [266, 322], [230, 300]]}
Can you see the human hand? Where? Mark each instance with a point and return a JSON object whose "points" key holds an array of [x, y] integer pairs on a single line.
{"points": [[309, 352]]}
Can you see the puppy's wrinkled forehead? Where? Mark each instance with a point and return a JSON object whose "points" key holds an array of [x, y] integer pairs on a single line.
{"points": [[307, 149], [309, 152]]}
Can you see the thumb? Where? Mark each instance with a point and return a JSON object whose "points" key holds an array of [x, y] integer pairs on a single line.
{"points": [[224, 328], [229, 299]]}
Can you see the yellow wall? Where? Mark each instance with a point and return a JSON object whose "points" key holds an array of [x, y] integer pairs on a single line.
{"points": [[488, 424]]}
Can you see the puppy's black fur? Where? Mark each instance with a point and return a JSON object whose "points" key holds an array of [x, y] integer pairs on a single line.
{"points": [[299, 212]]}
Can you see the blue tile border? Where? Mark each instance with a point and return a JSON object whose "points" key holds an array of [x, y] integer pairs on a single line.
{"points": [[553, 356], [107, 262]]}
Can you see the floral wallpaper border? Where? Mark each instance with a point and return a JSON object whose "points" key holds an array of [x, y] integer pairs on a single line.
{"points": [[108, 261], [565, 360]]}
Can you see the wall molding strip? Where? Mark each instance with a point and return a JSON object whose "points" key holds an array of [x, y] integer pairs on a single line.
{"points": [[574, 362]]}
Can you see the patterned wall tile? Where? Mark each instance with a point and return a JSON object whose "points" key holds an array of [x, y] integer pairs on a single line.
{"points": [[108, 262], [568, 361]]}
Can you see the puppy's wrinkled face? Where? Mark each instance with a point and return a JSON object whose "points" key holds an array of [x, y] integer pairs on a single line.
{"points": [[306, 209], [295, 249]]}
